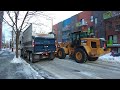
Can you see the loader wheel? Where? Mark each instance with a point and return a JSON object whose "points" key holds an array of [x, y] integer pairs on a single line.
{"points": [[61, 53], [80, 56], [51, 56], [92, 58]]}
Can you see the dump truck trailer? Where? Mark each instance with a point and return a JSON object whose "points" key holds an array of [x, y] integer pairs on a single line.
{"points": [[37, 46]]}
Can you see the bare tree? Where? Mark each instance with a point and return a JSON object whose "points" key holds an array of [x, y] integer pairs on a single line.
{"points": [[19, 21], [14, 17]]}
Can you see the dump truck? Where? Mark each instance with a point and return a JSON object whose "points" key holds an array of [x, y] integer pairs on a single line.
{"points": [[82, 47], [37, 46]]}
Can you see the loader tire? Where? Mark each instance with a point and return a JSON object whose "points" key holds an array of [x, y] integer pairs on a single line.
{"points": [[80, 56], [61, 53], [92, 58]]}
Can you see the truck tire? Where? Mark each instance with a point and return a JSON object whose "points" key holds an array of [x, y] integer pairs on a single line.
{"points": [[61, 53], [51, 56], [31, 58], [80, 56], [21, 54], [92, 58], [28, 56]]}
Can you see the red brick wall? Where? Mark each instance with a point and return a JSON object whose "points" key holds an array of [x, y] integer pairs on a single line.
{"points": [[86, 15], [55, 28], [112, 31]]}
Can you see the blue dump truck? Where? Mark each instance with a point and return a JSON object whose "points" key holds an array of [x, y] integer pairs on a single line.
{"points": [[35, 47]]}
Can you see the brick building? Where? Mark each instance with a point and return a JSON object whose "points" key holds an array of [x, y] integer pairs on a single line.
{"points": [[112, 29], [85, 19], [99, 28]]}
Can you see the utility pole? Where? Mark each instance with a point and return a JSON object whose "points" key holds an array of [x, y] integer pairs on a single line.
{"points": [[52, 24], [12, 40]]}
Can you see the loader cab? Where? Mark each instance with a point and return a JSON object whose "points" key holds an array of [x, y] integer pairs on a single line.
{"points": [[75, 38]]}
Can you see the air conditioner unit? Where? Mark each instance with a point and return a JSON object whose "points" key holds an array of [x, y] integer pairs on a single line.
{"points": [[117, 30]]}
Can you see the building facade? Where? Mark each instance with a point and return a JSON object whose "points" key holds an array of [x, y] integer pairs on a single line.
{"points": [[103, 24], [59, 28], [99, 28], [1, 20], [112, 29], [85, 22]]}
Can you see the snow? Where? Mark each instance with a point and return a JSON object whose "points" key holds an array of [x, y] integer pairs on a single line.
{"points": [[16, 60], [26, 68], [1, 52], [109, 58]]}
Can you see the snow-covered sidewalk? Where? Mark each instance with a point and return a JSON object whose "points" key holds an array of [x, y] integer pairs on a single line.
{"points": [[26, 69]]}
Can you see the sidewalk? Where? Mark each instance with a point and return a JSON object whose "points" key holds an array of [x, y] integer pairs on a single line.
{"points": [[15, 68]]}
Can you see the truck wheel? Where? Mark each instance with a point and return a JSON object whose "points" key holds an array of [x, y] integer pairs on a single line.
{"points": [[21, 53], [80, 56], [28, 56], [51, 56], [31, 58], [92, 58], [61, 53]]}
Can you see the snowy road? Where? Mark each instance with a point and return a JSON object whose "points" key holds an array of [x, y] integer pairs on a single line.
{"points": [[69, 69], [12, 68]]}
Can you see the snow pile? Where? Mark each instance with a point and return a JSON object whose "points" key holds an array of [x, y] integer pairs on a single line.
{"points": [[16, 60], [26, 69], [109, 58], [1, 52]]}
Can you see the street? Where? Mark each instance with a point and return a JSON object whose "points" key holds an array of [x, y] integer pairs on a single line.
{"points": [[69, 69], [57, 69]]}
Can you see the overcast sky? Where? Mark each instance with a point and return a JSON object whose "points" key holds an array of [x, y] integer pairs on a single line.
{"points": [[57, 17]]}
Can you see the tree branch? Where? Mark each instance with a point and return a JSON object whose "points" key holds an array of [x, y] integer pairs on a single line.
{"points": [[10, 17], [12, 26], [24, 20]]}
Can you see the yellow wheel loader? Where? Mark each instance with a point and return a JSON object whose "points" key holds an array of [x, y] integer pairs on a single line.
{"points": [[81, 47]]}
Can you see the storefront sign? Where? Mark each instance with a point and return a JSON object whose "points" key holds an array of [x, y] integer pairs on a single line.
{"points": [[107, 15]]}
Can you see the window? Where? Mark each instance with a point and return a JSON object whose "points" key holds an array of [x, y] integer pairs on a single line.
{"points": [[110, 25], [114, 38], [91, 18], [110, 39], [117, 28], [118, 50], [93, 45], [95, 20], [82, 21]]}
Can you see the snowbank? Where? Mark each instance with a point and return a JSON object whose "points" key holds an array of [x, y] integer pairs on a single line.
{"points": [[109, 58], [26, 68], [16, 60], [1, 52]]}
